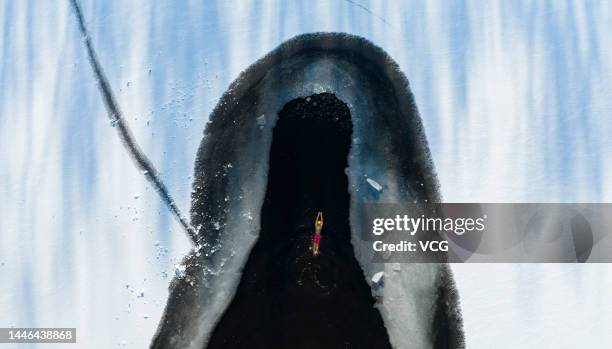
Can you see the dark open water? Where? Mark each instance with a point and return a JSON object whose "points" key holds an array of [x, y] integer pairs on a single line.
{"points": [[287, 298]]}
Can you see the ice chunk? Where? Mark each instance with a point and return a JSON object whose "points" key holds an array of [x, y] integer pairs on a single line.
{"points": [[261, 120], [374, 184], [378, 277], [179, 270]]}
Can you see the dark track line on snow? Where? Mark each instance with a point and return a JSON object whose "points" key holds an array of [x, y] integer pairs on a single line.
{"points": [[367, 10], [114, 113]]}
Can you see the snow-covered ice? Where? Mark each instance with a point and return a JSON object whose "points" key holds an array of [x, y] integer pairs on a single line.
{"points": [[515, 100]]}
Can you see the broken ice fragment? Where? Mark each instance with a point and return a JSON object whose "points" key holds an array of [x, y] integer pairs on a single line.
{"points": [[179, 270], [261, 120], [374, 184], [377, 278]]}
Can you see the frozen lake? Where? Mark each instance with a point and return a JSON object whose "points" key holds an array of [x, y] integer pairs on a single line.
{"points": [[515, 100]]}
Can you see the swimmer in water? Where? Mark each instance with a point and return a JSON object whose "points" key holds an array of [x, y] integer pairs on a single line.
{"points": [[316, 239]]}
